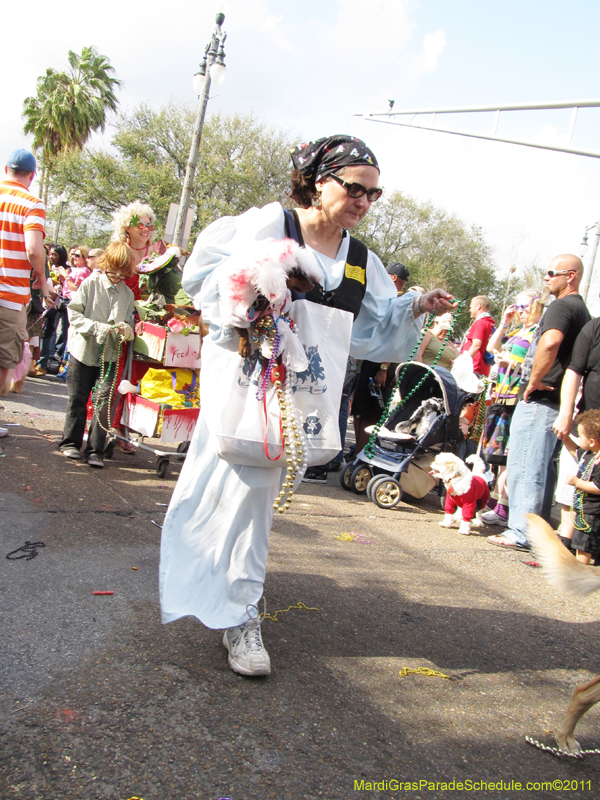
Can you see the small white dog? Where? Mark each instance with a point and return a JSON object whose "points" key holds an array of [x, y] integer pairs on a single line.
{"points": [[466, 493]]}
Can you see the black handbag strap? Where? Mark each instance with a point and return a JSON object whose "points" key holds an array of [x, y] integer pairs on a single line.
{"points": [[348, 296], [292, 226]]}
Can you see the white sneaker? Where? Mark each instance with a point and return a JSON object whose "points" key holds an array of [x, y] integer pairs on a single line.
{"points": [[491, 518], [3, 432], [247, 654]]}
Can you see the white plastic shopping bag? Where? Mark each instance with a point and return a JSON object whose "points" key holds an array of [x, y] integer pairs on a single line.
{"points": [[325, 334], [245, 428], [248, 429]]}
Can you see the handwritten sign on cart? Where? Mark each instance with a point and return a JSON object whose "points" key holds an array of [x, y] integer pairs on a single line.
{"points": [[183, 351]]}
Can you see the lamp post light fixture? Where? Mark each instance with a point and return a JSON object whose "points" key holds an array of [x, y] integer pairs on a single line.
{"points": [[62, 200], [212, 69], [588, 273]]}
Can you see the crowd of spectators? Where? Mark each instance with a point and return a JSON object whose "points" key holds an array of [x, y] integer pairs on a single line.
{"points": [[541, 363]]}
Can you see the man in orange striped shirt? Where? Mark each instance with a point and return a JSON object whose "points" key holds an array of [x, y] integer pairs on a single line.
{"points": [[22, 230]]}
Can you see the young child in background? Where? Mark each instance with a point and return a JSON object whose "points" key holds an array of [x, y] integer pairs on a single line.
{"points": [[586, 500], [99, 313]]}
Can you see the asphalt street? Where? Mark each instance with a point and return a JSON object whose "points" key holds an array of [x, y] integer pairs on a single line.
{"points": [[99, 700]]}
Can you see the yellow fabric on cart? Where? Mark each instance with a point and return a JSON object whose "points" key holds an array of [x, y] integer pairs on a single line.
{"points": [[173, 387]]}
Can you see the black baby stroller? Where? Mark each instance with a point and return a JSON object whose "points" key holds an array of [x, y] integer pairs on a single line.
{"points": [[411, 437]]}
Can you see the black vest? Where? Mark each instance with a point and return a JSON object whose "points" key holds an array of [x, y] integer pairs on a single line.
{"points": [[348, 296]]}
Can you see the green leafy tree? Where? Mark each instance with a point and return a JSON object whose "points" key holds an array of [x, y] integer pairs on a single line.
{"points": [[69, 106], [439, 249], [242, 163]]}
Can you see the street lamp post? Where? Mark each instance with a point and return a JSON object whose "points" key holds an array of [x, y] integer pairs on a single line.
{"points": [[62, 201], [212, 69], [588, 273]]}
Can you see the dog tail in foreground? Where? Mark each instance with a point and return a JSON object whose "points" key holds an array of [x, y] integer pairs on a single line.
{"points": [[559, 565], [478, 465]]}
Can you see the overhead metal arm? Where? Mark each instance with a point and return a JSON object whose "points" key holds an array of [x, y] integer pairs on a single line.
{"points": [[388, 118]]}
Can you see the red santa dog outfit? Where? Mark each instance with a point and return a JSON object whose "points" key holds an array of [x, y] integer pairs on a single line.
{"points": [[466, 491]]}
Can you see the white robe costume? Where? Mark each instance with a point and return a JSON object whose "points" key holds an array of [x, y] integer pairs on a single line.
{"points": [[215, 537]]}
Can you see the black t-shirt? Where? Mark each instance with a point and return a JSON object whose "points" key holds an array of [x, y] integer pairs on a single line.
{"points": [[568, 314], [591, 502], [586, 361]]}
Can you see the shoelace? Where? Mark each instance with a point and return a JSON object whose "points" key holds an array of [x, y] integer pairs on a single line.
{"points": [[251, 630]]}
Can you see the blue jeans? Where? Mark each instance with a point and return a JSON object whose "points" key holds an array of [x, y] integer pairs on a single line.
{"points": [[343, 422], [530, 468]]}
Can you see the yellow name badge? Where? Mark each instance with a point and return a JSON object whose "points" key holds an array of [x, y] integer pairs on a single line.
{"points": [[355, 273]]}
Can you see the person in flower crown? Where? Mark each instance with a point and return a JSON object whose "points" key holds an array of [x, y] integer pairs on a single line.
{"points": [[215, 536], [134, 225]]}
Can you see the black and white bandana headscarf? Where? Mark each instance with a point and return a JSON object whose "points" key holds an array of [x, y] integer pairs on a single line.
{"points": [[317, 159]]}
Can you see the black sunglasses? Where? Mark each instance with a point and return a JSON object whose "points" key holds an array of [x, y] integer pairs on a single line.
{"points": [[358, 190]]}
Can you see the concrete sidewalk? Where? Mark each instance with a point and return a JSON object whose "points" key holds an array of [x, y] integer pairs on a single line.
{"points": [[102, 701]]}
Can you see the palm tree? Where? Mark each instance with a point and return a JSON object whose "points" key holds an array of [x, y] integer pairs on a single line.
{"points": [[69, 106]]}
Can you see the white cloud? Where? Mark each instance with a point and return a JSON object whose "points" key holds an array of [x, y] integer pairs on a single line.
{"points": [[254, 15], [382, 28], [433, 47]]}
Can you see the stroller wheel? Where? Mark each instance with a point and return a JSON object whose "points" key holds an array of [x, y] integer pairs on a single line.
{"points": [[386, 493], [372, 482], [359, 479], [345, 475]]}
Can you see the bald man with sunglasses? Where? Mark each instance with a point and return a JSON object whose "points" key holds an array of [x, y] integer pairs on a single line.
{"points": [[530, 467]]}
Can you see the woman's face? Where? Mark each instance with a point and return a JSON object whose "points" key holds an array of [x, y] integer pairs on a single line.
{"points": [[54, 258], [139, 234], [78, 259], [523, 306], [342, 210]]}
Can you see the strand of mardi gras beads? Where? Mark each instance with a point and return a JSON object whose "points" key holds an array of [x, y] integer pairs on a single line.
{"points": [[293, 442], [266, 328], [577, 506], [104, 374], [479, 421], [369, 448]]}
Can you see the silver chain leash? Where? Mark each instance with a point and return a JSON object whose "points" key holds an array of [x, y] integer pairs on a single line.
{"points": [[556, 751]]}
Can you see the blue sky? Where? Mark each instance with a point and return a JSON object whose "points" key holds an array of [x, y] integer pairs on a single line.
{"points": [[310, 66]]}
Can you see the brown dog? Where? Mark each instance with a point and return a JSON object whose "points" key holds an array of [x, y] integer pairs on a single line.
{"points": [[569, 575]]}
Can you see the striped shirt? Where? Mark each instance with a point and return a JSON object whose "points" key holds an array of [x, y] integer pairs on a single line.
{"points": [[20, 211], [517, 344]]}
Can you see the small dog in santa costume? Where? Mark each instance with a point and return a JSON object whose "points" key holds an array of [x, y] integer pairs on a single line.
{"points": [[466, 493]]}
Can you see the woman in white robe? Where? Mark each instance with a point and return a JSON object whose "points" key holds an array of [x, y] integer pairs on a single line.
{"points": [[215, 535]]}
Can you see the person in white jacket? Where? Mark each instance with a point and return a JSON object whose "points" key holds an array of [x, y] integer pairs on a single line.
{"points": [[215, 536]]}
